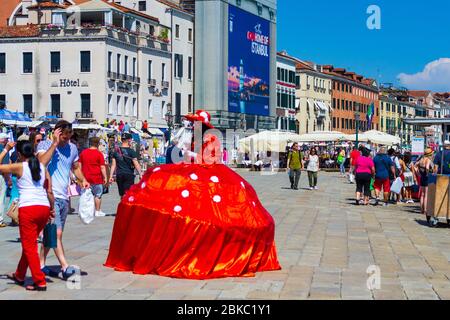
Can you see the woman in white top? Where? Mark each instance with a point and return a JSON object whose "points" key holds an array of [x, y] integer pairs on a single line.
{"points": [[312, 168], [36, 203]]}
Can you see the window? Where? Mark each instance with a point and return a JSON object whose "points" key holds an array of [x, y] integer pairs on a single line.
{"points": [[109, 61], [27, 62], [134, 67], [142, 5], [2, 62], [85, 104], [27, 103], [177, 107], [85, 61], [297, 82], [126, 66], [110, 106], [278, 74], [150, 71], [152, 30], [125, 103], [163, 109], [189, 103], [118, 64], [334, 122], [163, 72], [190, 68], [178, 70], [55, 103], [2, 100], [119, 107], [177, 31], [150, 109], [190, 35], [134, 110], [55, 61], [342, 123]]}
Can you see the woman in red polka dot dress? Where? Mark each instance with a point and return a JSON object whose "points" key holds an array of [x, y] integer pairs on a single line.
{"points": [[195, 219]]}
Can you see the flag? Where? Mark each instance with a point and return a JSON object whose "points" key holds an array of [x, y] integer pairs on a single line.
{"points": [[369, 115]]}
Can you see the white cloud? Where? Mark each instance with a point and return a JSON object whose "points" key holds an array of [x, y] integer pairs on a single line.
{"points": [[435, 76]]}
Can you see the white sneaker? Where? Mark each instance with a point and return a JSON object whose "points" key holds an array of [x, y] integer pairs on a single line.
{"points": [[100, 214], [311, 188], [315, 188]]}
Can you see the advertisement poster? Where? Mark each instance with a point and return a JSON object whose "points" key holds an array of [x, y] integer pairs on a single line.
{"points": [[248, 63], [417, 145]]}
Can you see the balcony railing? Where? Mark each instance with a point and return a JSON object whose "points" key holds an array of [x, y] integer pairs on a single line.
{"points": [[136, 79], [84, 115], [58, 115], [122, 77], [152, 82], [165, 84], [112, 75]]}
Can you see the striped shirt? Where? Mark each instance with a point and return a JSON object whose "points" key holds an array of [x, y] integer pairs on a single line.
{"points": [[59, 166]]}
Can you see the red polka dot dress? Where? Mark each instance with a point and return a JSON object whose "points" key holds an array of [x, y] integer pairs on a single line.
{"points": [[196, 221]]}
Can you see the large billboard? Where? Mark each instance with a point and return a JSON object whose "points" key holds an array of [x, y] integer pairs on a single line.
{"points": [[248, 63]]}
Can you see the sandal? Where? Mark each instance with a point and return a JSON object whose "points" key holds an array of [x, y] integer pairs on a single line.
{"points": [[34, 287], [14, 278]]}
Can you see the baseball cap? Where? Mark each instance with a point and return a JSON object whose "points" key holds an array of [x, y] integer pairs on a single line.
{"points": [[126, 136]]}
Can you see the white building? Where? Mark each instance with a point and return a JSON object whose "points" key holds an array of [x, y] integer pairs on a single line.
{"points": [[104, 61], [286, 67], [180, 24]]}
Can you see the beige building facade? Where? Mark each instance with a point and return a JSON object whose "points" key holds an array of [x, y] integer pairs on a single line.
{"points": [[313, 99]]}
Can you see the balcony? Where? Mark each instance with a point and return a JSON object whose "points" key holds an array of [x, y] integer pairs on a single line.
{"points": [[152, 82], [129, 78], [84, 115], [109, 31], [165, 84], [58, 115], [112, 75], [137, 80]]}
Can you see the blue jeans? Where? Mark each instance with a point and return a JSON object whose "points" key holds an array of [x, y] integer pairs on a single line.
{"points": [[61, 212], [342, 167]]}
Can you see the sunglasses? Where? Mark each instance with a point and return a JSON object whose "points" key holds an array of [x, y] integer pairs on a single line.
{"points": [[38, 140]]}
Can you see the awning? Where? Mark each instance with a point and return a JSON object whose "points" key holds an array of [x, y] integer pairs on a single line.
{"points": [[155, 131], [90, 126], [321, 106], [17, 123]]}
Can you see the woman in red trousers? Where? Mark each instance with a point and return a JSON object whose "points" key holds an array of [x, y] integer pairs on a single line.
{"points": [[36, 203]]}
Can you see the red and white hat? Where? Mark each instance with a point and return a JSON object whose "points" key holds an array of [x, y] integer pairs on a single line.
{"points": [[200, 115]]}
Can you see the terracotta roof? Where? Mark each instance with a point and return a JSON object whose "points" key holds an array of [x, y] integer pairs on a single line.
{"points": [[303, 66], [31, 30], [419, 93], [47, 5], [128, 10], [7, 7], [285, 55], [173, 5]]}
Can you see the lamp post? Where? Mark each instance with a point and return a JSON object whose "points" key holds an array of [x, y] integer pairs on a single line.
{"points": [[356, 126], [169, 119]]}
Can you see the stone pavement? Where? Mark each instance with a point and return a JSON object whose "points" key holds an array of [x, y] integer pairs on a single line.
{"points": [[325, 246]]}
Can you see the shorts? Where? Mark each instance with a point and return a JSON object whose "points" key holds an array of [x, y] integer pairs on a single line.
{"points": [[97, 190], [385, 183], [61, 212], [124, 183]]}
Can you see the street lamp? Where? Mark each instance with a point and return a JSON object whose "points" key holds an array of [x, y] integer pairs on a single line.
{"points": [[169, 119], [357, 125]]}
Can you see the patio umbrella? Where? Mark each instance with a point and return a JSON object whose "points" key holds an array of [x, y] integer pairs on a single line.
{"points": [[323, 136], [275, 141], [377, 137]]}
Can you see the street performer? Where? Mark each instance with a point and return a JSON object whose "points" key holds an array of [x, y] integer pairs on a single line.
{"points": [[195, 218]]}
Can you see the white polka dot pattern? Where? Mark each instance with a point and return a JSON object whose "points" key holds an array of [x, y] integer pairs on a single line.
{"points": [[185, 193], [177, 208], [156, 169], [193, 176], [214, 179], [217, 198]]}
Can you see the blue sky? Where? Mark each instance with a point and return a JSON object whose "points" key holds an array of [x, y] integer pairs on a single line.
{"points": [[413, 42]]}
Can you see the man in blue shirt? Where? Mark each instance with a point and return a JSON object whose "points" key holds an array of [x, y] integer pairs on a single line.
{"points": [[438, 159], [383, 165]]}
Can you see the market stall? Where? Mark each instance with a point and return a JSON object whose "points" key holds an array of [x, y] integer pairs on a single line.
{"points": [[376, 137], [438, 204]]}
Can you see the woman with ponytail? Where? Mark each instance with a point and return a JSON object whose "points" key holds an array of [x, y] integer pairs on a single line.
{"points": [[36, 203]]}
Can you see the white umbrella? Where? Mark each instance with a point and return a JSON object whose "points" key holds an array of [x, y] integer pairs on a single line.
{"points": [[275, 141], [375, 136], [323, 136]]}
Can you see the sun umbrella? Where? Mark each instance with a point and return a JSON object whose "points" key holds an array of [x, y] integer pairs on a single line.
{"points": [[275, 141], [323, 136]]}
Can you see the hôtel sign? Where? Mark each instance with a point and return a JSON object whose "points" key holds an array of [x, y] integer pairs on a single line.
{"points": [[67, 83]]}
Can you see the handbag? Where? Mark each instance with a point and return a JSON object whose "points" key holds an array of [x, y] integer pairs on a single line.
{"points": [[49, 239], [13, 211], [397, 185]]}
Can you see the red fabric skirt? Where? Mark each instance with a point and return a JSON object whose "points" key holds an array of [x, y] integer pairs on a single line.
{"points": [[193, 221]]}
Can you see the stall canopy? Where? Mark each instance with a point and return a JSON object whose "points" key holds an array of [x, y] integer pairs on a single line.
{"points": [[323, 136], [275, 141], [14, 118], [377, 137]]}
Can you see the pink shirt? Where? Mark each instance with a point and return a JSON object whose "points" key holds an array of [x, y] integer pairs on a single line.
{"points": [[364, 165]]}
